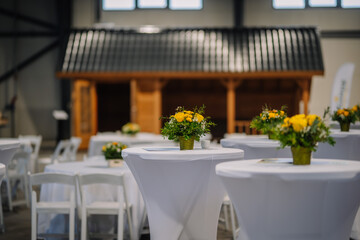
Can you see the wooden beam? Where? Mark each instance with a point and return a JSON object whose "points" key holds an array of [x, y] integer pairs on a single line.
{"points": [[304, 85], [127, 76], [133, 103], [231, 86]]}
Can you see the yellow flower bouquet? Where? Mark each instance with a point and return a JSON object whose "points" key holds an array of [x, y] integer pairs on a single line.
{"points": [[356, 110], [344, 116], [186, 126], [130, 128], [113, 150], [302, 133], [268, 119]]}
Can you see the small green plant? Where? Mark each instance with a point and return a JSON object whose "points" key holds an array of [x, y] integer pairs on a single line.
{"points": [[130, 128], [113, 150], [268, 119], [186, 124]]}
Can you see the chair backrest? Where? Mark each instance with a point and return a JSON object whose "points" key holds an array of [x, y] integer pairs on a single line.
{"points": [[20, 162], [75, 143], [101, 178], [340, 95], [35, 141], [62, 151], [43, 178]]}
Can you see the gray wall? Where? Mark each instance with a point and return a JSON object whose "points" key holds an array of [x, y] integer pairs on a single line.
{"points": [[336, 51], [35, 86]]}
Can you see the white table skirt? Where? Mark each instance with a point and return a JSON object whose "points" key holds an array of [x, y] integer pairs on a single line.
{"points": [[58, 192], [255, 148], [97, 142], [280, 201], [347, 146], [182, 194]]}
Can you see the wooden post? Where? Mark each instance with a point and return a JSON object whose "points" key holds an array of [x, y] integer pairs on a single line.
{"points": [[133, 104], [157, 105], [305, 84], [231, 86]]}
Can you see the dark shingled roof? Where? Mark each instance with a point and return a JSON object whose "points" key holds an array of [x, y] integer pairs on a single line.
{"points": [[193, 50]]}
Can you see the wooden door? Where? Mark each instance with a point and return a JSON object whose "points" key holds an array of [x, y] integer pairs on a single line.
{"points": [[84, 110]]}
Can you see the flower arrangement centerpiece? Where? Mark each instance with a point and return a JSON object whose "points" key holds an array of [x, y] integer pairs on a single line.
{"points": [[268, 120], [302, 133], [186, 126], [112, 152], [356, 110], [130, 129], [344, 116]]}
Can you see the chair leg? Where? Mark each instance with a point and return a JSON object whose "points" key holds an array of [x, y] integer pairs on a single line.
{"points": [[226, 217], [120, 227], [72, 224], [83, 224], [26, 190], [33, 217], [2, 226], [232, 216], [9, 195]]}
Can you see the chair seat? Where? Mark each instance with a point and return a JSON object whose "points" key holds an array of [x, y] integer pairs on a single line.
{"points": [[103, 208], [53, 207], [44, 160]]}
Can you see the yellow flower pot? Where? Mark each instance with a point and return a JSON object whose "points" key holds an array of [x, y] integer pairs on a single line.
{"points": [[186, 144], [301, 155], [115, 163], [345, 126]]}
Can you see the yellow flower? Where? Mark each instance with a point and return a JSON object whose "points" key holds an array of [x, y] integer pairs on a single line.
{"points": [[114, 143], [199, 117], [272, 115], [346, 113], [286, 122], [104, 148], [282, 113], [355, 108], [179, 116], [189, 119], [311, 118], [340, 111], [124, 146], [298, 122]]}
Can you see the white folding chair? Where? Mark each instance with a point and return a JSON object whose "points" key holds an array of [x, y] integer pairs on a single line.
{"points": [[61, 207], [35, 141], [227, 204], [61, 154], [105, 207], [16, 176], [75, 143]]}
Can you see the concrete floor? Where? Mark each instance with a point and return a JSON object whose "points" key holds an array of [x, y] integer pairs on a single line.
{"points": [[18, 226]]}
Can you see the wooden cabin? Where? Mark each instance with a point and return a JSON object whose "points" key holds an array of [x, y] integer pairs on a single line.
{"points": [[124, 75]]}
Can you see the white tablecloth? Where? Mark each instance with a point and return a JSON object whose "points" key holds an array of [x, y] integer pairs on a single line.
{"points": [[57, 192], [347, 146], [257, 147], [8, 148], [182, 194], [280, 201], [97, 142]]}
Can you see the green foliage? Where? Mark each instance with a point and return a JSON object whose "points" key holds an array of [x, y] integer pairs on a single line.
{"points": [[186, 124], [303, 131], [344, 115], [113, 150], [268, 119]]}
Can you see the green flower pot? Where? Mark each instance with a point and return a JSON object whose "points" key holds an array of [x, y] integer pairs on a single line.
{"points": [[186, 144], [344, 126], [301, 155]]}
